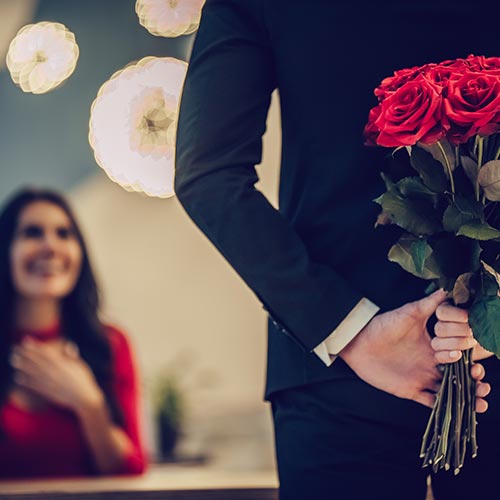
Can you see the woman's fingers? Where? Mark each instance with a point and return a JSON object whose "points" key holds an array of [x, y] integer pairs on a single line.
{"points": [[22, 361]]}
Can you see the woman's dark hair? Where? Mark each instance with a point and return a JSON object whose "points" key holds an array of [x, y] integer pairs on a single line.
{"points": [[79, 310]]}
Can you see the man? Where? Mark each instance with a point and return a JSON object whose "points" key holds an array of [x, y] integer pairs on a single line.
{"points": [[349, 387]]}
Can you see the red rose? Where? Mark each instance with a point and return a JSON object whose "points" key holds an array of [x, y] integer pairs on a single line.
{"points": [[474, 62], [471, 106], [371, 129], [392, 83], [411, 114], [458, 64], [490, 65], [441, 73]]}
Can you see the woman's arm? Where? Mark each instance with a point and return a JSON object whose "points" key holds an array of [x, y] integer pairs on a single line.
{"points": [[109, 444]]}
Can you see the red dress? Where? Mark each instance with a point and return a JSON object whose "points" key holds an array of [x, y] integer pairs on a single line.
{"points": [[50, 442]]}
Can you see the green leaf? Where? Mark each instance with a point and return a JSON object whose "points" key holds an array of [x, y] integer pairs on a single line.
{"points": [[415, 256], [413, 188], [475, 261], [461, 211], [430, 170], [489, 286], [389, 185], [437, 154], [484, 319], [471, 168], [478, 230], [416, 216], [489, 180], [489, 269], [420, 250]]}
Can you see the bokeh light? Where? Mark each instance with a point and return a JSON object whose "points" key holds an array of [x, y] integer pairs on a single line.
{"points": [[42, 56], [133, 122], [169, 18]]}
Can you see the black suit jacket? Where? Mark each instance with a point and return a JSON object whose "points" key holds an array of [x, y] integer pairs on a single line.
{"points": [[312, 261]]}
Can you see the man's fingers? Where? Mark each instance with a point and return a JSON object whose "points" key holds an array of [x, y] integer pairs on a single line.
{"points": [[481, 405], [477, 371], [444, 357], [447, 312], [453, 343], [427, 306], [482, 389], [444, 329]]}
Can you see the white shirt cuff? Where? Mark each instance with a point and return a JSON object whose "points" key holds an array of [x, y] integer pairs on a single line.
{"points": [[351, 325]]}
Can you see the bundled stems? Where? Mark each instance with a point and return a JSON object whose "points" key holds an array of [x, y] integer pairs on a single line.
{"points": [[451, 430]]}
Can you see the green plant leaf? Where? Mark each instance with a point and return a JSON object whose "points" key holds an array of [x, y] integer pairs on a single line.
{"points": [[489, 269], [488, 287], [431, 171], [437, 154], [471, 168], [484, 319], [389, 185], [461, 211], [478, 230], [416, 216], [420, 250], [413, 188], [415, 256], [489, 180]]}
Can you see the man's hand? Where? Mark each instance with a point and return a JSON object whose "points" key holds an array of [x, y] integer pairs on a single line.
{"points": [[394, 353], [454, 335]]}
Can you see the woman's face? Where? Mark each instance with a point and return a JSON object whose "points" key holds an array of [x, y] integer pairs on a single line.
{"points": [[45, 255]]}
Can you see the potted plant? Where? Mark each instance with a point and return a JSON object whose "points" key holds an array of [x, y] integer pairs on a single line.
{"points": [[169, 414]]}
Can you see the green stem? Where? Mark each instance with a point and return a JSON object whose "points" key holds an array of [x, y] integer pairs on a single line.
{"points": [[472, 404], [479, 163], [448, 167]]}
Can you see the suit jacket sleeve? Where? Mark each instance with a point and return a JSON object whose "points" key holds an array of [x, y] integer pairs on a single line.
{"points": [[222, 119]]}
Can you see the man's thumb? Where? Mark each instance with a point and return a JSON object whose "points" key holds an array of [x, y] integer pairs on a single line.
{"points": [[428, 305]]}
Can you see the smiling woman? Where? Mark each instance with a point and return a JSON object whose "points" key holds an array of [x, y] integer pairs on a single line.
{"points": [[68, 389]]}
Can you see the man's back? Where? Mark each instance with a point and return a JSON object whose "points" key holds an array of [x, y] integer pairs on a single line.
{"points": [[314, 263]]}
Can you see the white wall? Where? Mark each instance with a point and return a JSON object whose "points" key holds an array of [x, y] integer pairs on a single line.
{"points": [[175, 295]]}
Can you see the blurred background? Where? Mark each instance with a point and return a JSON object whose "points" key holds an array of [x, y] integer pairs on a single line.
{"points": [[198, 332]]}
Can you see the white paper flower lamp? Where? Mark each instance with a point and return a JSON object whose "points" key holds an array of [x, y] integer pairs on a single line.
{"points": [[133, 122], [42, 56], [169, 18]]}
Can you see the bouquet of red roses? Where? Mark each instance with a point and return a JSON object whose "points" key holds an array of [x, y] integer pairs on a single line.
{"points": [[445, 119]]}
